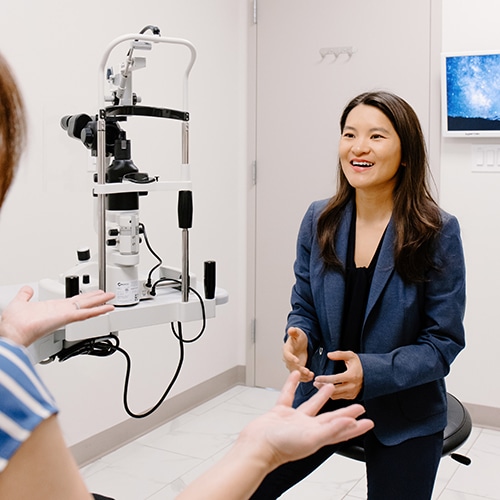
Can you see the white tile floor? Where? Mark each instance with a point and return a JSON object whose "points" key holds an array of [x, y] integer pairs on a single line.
{"points": [[159, 465]]}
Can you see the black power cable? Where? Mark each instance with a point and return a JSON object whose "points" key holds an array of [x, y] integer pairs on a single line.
{"points": [[142, 229], [202, 305], [167, 390], [109, 344]]}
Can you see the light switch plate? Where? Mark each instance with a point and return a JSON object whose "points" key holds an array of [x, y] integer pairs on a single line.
{"points": [[485, 158]]}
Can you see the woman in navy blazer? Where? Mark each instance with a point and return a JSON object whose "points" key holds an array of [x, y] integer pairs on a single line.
{"points": [[378, 301]]}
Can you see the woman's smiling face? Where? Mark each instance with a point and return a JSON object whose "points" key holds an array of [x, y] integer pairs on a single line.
{"points": [[369, 149]]}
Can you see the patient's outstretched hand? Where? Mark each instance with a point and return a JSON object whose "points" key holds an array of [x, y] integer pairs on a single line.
{"points": [[24, 322], [284, 434], [279, 436]]}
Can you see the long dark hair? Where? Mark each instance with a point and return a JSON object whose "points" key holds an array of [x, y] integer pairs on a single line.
{"points": [[416, 215], [12, 127]]}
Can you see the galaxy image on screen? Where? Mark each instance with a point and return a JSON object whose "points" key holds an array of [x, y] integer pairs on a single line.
{"points": [[473, 92]]}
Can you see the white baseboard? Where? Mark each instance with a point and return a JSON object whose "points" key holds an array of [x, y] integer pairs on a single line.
{"points": [[101, 444], [484, 416]]}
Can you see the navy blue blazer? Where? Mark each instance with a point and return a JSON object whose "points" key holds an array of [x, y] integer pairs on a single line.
{"points": [[411, 332]]}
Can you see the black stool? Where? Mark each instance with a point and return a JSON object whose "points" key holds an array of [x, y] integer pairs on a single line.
{"points": [[455, 434]]}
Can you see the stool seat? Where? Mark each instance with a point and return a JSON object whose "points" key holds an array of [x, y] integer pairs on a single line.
{"points": [[456, 433]]}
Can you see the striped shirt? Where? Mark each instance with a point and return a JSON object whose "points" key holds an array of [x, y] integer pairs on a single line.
{"points": [[24, 400]]}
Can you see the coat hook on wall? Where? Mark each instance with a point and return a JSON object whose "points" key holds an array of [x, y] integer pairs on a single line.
{"points": [[336, 52]]}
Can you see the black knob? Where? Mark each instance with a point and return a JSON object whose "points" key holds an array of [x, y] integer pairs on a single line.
{"points": [[72, 285], [185, 209], [87, 136], [209, 279], [83, 254]]}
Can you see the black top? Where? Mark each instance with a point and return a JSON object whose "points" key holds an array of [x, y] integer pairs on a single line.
{"points": [[358, 281]]}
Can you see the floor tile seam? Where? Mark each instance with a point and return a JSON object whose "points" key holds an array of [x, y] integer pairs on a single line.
{"points": [[129, 472], [467, 446], [448, 481], [461, 493], [352, 490], [231, 438], [197, 411], [104, 461], [210, 460]]}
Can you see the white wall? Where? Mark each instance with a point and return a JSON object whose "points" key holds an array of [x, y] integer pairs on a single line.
{"points": [[474, 199], [55, 48]]}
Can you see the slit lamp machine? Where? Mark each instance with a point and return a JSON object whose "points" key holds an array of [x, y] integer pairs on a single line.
{"points": [[165, 294]]}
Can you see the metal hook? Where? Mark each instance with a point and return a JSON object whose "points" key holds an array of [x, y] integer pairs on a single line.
{"points": [[336, 52]]}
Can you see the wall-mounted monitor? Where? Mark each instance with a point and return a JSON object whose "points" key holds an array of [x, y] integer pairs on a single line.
{"points": [[470, 98]]}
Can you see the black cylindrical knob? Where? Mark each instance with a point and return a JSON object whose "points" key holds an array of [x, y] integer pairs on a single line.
{"points": [[72, 286], [209, 279], [83, 254], [185, 209]]}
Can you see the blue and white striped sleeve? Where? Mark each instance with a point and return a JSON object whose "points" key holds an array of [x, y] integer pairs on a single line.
{"points": [[25, 402]]}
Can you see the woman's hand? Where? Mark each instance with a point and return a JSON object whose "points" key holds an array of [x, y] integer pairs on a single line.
{"points": [[295, 353], [348, 384], [24, 322]]}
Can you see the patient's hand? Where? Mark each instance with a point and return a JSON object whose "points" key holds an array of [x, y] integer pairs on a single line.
{"points": [[24, 322]]}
